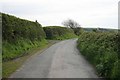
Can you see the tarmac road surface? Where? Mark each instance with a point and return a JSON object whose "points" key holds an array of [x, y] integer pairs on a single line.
{"points": [[61, 60]]}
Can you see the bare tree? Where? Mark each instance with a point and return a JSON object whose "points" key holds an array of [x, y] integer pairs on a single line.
{"points": [[71, 24]]}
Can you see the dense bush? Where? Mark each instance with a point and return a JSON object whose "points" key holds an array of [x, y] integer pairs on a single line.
{"points": [[14, 28], [19, 35], [101, 49], [57, 32]]}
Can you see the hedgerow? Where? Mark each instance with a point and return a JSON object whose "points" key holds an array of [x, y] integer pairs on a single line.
{"points": [[19, 36], [102, 50], [58, 32]]}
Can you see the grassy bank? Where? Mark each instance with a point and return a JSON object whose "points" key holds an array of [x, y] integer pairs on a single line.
{"points": [[12, 65], [19, 48], [20, 36], [101, 49]]}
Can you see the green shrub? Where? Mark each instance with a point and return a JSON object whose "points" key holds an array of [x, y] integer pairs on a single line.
{"points": [[59, 33], [14, 29], [101, 49]]}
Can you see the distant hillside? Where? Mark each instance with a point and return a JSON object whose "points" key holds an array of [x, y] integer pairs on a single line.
{"points": [[100, 29], [58, 32]]}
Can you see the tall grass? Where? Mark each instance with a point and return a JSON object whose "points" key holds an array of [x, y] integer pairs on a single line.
{"points": [[19, 48], [101, 49]]}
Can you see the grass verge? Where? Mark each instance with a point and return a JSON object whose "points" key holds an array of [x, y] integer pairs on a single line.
{"points": [[11, 66]]}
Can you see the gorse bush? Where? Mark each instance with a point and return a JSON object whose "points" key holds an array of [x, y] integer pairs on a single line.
{"points": [[101, 49], [57, 32], [19, 36]]}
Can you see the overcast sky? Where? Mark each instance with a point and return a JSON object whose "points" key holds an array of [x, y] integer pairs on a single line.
{"points": [[88, 13]]}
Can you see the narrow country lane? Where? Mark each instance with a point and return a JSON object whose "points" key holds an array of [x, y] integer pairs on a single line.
{"points": [[61, 60]]}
